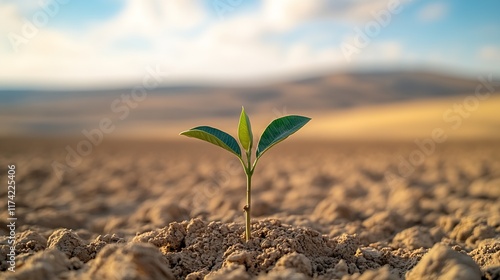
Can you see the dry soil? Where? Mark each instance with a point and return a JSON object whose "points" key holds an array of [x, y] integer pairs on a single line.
{"points": [[326, 210]]}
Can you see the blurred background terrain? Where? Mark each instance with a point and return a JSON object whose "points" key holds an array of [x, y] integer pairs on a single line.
{"points": [[362, 70], [364, 106]]}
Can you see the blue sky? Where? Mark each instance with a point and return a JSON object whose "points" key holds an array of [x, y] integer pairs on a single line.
{"points": [[111, 42]]}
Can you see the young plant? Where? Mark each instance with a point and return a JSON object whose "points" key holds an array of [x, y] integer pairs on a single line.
{"points": [[277, 131]]}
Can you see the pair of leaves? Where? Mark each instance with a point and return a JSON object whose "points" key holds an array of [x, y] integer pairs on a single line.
{"points": [[277, 131]]}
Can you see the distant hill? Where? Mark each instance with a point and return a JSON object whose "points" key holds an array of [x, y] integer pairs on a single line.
{"points": [[167, 109]]}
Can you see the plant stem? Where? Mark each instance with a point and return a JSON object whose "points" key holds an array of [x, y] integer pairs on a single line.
{"points": [[248, 208]]}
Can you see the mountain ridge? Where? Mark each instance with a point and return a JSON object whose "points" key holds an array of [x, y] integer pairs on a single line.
{"points": [[68, 112]]}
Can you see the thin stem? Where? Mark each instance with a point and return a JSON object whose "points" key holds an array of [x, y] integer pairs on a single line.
{"points": [[247, 207], [243, 163], [249, 158], [252, 168]]}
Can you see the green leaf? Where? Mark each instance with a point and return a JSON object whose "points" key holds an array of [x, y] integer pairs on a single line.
{"points": [[278, 130], [245, 131], [216, 137]]}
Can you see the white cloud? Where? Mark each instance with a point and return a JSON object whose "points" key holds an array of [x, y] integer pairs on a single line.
{"points": [[224, 50], [284, 14], [149, 21], [26, 7], [387, 50], [433, 12], [57, 57], [281, 15], [151, 15], [9, 13], [490, 53]]}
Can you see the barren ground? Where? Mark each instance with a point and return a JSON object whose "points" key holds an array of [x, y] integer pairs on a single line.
{"points": [[330, 210]]}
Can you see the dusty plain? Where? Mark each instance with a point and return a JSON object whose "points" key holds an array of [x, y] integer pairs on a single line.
{"points": [[321, 210]]}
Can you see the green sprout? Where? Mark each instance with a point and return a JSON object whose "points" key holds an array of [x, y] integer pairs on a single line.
{"points": [[277, 131]]}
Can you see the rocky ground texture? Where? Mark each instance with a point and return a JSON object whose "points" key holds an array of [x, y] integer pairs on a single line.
{"points": [[173, 210]]}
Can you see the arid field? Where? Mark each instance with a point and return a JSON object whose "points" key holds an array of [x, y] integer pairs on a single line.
{"points": [[389, 113], [321, 210]]}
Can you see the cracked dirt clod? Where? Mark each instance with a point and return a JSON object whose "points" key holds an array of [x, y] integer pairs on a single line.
{"points": [[217, 245], [321, 218], [414, 238], [296, 262], [442, 262], [69, 243], [30, 241], [135, 261], [48, 264]]}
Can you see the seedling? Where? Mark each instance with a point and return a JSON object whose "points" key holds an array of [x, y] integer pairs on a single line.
{"points": [[277, 131]]}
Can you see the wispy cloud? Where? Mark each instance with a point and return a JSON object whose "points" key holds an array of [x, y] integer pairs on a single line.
{"points": [[490, 53], [273, 39], [433, 12], [289, 13]]}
